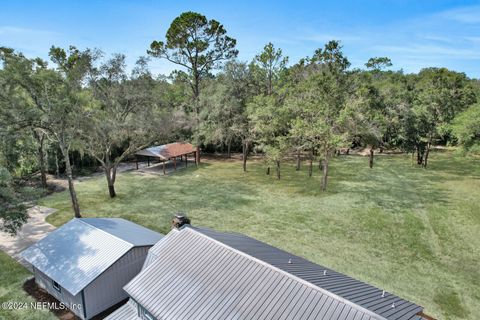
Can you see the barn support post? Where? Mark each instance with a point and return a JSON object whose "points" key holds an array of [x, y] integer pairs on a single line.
{"points": [[136, 162], [197, 155], [163, 161], [186, 160], [148, 161], [175, 163]]}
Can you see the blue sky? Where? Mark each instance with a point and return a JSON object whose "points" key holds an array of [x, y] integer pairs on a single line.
{"points": [[414, 34]]}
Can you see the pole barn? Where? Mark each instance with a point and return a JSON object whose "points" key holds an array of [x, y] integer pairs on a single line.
{"points": [[170, 152]]}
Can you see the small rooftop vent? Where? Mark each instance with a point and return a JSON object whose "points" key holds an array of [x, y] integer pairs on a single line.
{"points": [[179, 220]]}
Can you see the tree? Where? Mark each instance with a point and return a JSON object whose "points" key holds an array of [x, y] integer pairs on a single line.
{"points": [[466, 128], [378, 63], [12, 212], [440, 94], [198, 45], [121, 120], [269, 121], [16, 114], [52, 100], [224, 118], [318, 104], [270, 63], [366, 113]]}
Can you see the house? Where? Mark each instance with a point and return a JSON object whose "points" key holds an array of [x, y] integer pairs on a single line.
{"points": [[198, 273], [86, 262]]}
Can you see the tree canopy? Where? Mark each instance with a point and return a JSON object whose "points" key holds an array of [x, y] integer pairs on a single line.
{"points": [[82, 107]]}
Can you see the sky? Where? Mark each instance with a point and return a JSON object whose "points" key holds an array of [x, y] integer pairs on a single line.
{"points": [[413, 34]]}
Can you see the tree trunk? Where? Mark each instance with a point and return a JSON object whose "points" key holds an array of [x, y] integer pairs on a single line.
{"points": [[325, 174], [310, 166], [196, 94], [420, 152], [40, 137], [229, 145], [370, 162], [297, 168], [427, 151], [57, 167], [71, 187], [278, 169], [197, 155], [110, 182], [245, 153], [270, 83]]}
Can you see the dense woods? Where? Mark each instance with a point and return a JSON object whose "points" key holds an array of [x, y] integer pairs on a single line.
{"points": [[85, 107]]}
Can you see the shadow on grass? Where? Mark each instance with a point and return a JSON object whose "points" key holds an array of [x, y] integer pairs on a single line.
{"points": [[392, 184], [456, 166], [449, 302]]}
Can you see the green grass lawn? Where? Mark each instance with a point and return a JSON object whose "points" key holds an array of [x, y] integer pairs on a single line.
{"points": [[12, 277], [411, 231]]}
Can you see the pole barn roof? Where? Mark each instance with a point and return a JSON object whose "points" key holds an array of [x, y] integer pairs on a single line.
{"points": [[76, 253], [167, 151]]}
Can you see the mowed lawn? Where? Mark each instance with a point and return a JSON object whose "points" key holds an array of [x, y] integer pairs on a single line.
{"points": [[411, 231], [12, 277]]}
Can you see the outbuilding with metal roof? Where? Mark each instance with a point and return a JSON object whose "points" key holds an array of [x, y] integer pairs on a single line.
{"points": [[86, 262], [169, 152]]}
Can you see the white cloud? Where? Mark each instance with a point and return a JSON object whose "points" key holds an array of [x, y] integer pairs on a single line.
{"points": [[15, 31], [467, 15], [432, 51]]}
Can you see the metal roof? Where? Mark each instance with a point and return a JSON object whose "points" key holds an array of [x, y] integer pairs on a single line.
{"points": [[167, 151], [198, 277], [126, 230], [344, 286], [126, 312], [76, 253]]}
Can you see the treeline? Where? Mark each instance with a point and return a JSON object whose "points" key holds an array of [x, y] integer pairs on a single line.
{"points": [[88, 105]]}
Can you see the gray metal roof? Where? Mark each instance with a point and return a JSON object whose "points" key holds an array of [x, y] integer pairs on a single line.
{"points": [[126, 312], [126, 230], [346, 287], [76, 253], [198, 277]]}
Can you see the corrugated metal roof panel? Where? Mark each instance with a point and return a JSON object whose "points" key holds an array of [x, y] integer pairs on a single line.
{"points": [[126, 312], [200, 278], [167, 151], [125, 230], [75, 254], [79, 251], [351, 289]]}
